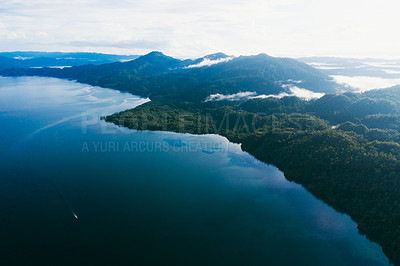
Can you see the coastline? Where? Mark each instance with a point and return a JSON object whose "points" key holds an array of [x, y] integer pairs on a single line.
{"points": [[274, 148]]}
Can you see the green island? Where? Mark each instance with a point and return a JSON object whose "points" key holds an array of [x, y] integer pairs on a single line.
{"points": [[343, 147]]}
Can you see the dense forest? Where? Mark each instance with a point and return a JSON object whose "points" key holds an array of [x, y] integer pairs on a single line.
{"points": [[343, 147]]}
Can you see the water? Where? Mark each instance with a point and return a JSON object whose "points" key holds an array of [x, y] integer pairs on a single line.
{"points": [[76, 190]]}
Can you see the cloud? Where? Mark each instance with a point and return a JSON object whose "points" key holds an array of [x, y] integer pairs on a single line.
{"points": [[129, 44], [382, 64], [364, 83], [208, 62], [294, 92], [244, 96], [390, 71], [328, 68], [294, 81], [195, 28], [305, 94], [231, 97]]}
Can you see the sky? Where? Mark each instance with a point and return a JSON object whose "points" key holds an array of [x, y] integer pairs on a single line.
{"points": [[189, 29]]}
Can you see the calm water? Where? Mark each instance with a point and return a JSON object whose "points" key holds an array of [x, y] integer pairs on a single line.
{"points": [[76, 190]]}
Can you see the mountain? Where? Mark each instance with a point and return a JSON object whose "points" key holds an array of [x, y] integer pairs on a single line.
{"points": [[56, 59], [216, 56], [211, 58], [159, 75], [6, 63]]}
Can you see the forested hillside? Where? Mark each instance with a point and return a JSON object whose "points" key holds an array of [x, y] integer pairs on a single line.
{"points": [[344, 148]]}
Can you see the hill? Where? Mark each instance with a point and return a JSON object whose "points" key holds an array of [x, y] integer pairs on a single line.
{"points": [[159, 75]]}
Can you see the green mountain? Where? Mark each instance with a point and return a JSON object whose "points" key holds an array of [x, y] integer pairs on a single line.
{"points": [[159, 75]]}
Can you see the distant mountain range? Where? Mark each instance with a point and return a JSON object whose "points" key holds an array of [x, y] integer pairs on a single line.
{"points": [[156, 74], [56, 59]]}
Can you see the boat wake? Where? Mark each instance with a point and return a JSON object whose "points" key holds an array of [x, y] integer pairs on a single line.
{"points": [[74, 214]]}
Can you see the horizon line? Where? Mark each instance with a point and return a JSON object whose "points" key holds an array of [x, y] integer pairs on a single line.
{"points": [[206, 54]]}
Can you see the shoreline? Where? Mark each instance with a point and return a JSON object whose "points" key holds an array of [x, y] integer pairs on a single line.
{"points": [[265, 149]]}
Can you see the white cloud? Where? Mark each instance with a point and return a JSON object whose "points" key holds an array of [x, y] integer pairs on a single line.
{"points": [[382, 64], [294, 81], [305, 94], [390, 71], [208, 62], [193, 28], [247, 95], [278, 96], [328, 68], [231, 97], [364, 83], [317, 64]]}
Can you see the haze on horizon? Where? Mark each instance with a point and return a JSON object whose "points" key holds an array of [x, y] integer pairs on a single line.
{"points": [[181, 28]]}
